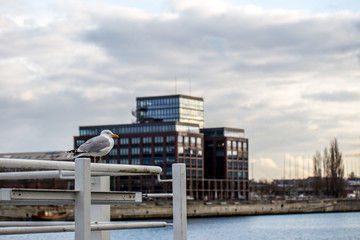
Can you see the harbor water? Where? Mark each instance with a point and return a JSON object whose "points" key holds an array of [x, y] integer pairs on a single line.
{"points": [[292, 226]]}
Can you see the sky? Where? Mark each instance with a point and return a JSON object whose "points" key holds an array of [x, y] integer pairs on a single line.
{"points": [[287, 72]]}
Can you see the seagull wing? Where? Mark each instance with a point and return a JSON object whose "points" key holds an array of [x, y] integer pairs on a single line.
{"points": [[94, 145]]}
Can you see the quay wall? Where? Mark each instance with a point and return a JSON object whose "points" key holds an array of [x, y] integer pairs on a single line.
{"points": [[213, 209], [163, 209]]}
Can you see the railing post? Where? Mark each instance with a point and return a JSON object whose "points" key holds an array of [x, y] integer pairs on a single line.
{"points": [[179, 201], [82, 199], [100, 213]]}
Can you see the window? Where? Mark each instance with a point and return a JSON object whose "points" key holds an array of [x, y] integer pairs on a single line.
{"points": [[113, 161], [180, 139], [146, 140], [193, 152], [219, 153], [170, 149], [135, 140], [158, 139], [234, 153], [193, 163], [147, 161], [135, 161], [158, 151], [135, 151], [198, 141], [124, 151], [124, 161], [170, 160], [113, 152], [79, 142], [158, 161], [180, 150], [170, 139], [147, 150]]}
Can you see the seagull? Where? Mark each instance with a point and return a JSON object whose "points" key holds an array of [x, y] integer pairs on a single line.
{"points": [[97, 146]]}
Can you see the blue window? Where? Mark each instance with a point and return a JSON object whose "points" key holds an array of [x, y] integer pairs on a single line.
{"points": [[147, 161], [124, 161], [159, 161], [135, 161], [124, 141]]}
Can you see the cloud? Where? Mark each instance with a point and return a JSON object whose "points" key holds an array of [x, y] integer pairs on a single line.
{"points": [[263, 167], [339, 96], [289, 78]]}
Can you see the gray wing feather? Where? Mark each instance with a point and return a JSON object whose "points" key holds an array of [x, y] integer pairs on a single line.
{"points": [[94, 144]]}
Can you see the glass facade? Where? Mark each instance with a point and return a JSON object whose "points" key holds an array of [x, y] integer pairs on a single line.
{"points": [[172, 108]]}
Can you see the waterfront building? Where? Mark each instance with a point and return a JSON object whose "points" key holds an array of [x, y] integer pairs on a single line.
{"points": [[226, 157], [156, 143], [170, 129], [172, 108]]}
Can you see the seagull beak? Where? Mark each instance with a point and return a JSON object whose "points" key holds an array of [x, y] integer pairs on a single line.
{"points": [[115, 136]]}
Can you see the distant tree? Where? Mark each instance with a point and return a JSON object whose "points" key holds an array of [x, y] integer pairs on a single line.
{"points": [[317, 183], [336, 170], [327, 172]]}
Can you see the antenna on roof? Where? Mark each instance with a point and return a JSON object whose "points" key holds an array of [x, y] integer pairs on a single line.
{"points": [[175, 85]]}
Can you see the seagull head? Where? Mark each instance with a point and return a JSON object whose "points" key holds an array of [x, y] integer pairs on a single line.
{"points": [[108, 133]]}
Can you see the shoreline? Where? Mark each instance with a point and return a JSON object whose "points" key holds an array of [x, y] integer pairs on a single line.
{"points": [[223, 208], [163, 209]]}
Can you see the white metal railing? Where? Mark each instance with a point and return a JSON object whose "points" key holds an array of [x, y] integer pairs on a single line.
{"points": [[92, 210]]}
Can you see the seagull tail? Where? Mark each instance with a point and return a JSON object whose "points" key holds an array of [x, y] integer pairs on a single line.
{"points": [[75, 153]]}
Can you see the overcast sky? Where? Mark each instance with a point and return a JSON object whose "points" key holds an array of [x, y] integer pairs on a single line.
{"points": [[285, 71]]}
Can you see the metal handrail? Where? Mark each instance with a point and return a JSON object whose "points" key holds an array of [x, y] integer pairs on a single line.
{"points": [[81, 170], [60, 165]]}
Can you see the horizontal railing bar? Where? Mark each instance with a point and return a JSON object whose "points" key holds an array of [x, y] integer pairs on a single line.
{"points": [[71, 228], [35, 175], [34, 224], [44, 196], [60, 165], [62, 174], [157, 195]]}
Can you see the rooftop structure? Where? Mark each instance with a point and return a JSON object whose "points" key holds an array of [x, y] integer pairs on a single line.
{"points": [[172, 108]]}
